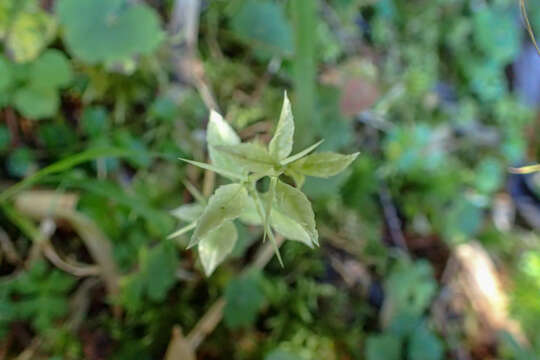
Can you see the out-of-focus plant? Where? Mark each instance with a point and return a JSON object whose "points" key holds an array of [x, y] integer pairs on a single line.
{"points": [[32, 88]]}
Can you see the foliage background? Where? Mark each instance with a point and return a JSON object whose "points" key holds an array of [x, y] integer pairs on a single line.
{"points": [[99, 98]]}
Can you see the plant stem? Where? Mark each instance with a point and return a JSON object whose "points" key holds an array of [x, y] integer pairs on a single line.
{"points": [[304, 18]]}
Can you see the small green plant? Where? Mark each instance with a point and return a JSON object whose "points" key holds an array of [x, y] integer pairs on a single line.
{"points": [[33, 88], [282, 208]]}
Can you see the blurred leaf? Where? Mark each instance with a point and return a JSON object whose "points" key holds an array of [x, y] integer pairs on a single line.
{"points": [[487, 80], [37, 95], [7, 307], [60, 166], [385, 347], [35, 102], [109, 30], [21, 162], [409, 288], [94, 121], [5, 74], [51, 70], [424, 345], [5, 138], [216, 246], [488, 176], [282, 142], [263, 25], [57, 136], [281, 355], [43, 295], [244, 298], [462, 220], [156, 275], [227, 203], [140, 157], [497, 33], [292, 203], [25, 28]]}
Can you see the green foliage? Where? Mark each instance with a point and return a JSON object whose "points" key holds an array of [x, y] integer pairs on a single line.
{"points": [[249, 162], [156, 276], [244, 298], [424, 345], [263, 25], [442, 125], [409, 288], [281, 355], [25, 29], [42, 295], [383, 347], [497, 33], [108, 30], [33, 88]]}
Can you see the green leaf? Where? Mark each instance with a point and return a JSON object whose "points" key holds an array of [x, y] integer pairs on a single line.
{"points": [[43, 295], [323, 165], [21, 162], [298, 178], [109, 30], [220, 171], [409, 288], [268, 206], [282, 355], [51, 70], [244, 298], [301, 154], [292, 203], [289, 229], [281, 144], [282, 224], [26, 29], [188, 212], [497, 33], [250, 215], [424, 345], [156, 275], [183, 230], [5, 74], [385, 347], [36, 102], [5, 138], [94, 121], [227, 203], [250, 156], [62, 165], [219, 132], [216, 246], [263, 24]]}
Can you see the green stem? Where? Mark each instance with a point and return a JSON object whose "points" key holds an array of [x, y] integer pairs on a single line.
{"points": [[305, 21], [260, 209]]}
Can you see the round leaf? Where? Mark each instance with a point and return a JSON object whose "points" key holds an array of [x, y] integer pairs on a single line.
{"points": [[109, 30], [35, 102], [52, 69]]}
